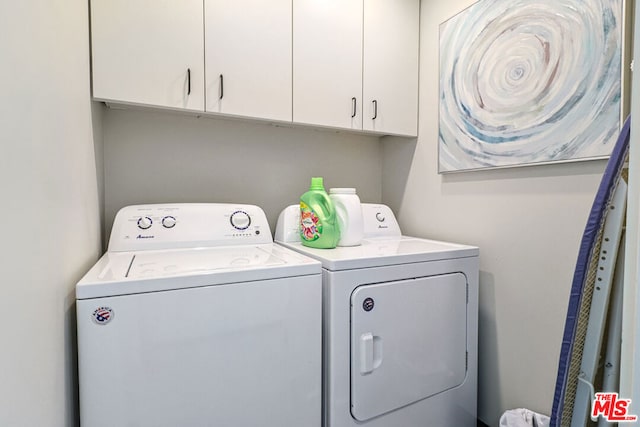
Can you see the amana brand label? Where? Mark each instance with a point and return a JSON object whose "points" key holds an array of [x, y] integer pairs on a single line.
{"points": [[310, 226]]}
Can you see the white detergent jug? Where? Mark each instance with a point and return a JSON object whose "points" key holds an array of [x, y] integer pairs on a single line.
{"points": [[349, 213]]}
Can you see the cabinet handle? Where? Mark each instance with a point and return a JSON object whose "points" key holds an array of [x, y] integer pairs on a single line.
{"points": [[188, 81], [353, 107], [221, 86], [375, 109]]}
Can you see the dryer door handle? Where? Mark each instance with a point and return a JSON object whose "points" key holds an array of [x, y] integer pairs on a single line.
{"points": [[370, 353]]}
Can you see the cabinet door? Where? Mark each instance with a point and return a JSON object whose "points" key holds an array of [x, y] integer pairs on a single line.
{"points": [[148, 52], [390, 79], [248, 58], [327, 62]]}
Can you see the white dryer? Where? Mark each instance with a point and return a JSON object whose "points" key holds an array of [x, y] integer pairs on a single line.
{"points": [[194, 317], [400, 321]]}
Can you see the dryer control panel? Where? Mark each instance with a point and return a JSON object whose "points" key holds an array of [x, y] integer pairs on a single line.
{"points": [[379, 221], [188, 225]]}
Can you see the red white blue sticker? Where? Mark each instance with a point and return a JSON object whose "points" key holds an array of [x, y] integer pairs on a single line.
{"points": [[103, 315]]}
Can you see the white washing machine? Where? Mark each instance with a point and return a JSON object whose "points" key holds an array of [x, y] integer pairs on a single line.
{"points": [[400, 320], [195, 318]]}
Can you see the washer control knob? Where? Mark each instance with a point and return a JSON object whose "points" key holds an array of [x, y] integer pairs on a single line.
{"points": [[144, 222], [240, 220], [380, 217], [168, 222]]}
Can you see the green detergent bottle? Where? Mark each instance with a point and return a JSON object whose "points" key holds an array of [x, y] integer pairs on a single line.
{"points": [[318, 220]]}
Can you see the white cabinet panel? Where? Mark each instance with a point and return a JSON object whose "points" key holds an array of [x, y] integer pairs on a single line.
{"points": [[327, 62], [148, 52], [390, 70], [248, 43], [355, 64]]}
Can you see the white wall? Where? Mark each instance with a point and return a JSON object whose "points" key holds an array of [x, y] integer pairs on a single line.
{"points": [[528, 223], [50, 220], [160, 157]]}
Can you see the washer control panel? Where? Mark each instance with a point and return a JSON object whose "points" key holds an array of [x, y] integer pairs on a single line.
{"points": [[181, 225]]}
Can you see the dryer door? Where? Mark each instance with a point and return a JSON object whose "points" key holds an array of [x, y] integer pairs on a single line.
{"points": [[408, 342]]}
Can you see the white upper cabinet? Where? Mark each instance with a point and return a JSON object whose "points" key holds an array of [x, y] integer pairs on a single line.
{"points": [[248, 58], [355, 64], [148, 52], [390, 77], [327, 63], [344, 64]]}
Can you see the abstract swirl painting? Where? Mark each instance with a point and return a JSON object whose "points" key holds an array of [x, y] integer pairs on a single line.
{"points": [[529, 82]]}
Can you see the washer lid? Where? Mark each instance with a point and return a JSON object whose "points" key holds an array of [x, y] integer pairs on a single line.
{"points": [[381, 252], [123, 273]]}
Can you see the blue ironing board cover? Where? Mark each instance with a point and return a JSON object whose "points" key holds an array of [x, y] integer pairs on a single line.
{"points": [[596, 218]]}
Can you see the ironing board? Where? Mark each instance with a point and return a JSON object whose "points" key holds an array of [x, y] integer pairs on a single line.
{"points": [[582, 289]]}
